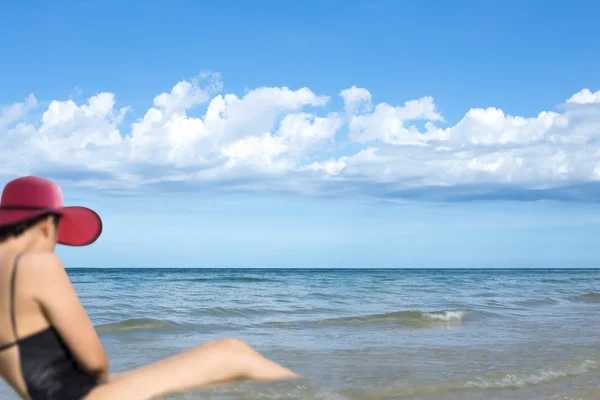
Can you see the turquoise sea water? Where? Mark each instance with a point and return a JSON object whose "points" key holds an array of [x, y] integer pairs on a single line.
{"points": [[364, 334]]}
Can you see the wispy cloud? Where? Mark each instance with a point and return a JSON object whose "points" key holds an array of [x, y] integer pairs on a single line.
{"points": [[278, 138]]}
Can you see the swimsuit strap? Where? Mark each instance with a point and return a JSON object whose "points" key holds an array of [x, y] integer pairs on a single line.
{"points": [[13, 280], [13, 316]]}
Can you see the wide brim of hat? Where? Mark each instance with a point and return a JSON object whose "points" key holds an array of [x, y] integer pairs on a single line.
{"points": [[79, 226]]}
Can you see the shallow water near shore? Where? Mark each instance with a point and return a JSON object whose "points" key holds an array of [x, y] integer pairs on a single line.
{"points": [[364, 334]]}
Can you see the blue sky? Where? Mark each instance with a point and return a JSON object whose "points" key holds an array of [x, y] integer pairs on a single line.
{"points": [[312, 134]]}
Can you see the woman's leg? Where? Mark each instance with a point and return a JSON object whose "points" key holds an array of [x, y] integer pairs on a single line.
{"points": [[210, 364]]}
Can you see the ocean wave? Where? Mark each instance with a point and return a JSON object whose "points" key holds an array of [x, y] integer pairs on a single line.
{"points": [[468, 388], [231, 311], [228, 279], [549, 280], [411, 317], [587, 297], [135, 324], [258, 311], [518, 380], [538, 302]]}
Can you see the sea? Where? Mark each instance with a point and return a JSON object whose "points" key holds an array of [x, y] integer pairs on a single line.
{"points": [[368, 334]]}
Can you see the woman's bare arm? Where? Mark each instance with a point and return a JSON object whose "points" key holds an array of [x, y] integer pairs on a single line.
{"points": [[66, 313]]}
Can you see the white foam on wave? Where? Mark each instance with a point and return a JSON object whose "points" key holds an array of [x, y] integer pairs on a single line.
{"points": [[447, 316], [541, 376]]}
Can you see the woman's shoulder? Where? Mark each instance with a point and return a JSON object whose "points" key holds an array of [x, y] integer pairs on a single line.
{"points": [[40, 272], [40, 261], [46, 267], [31, 262]]}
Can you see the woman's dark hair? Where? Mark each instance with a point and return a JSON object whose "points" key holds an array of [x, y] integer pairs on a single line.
{"points": [[16, 230]]}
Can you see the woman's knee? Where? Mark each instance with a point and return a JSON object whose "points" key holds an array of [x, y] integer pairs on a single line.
{"points": [[233, 344], [229, 344]]}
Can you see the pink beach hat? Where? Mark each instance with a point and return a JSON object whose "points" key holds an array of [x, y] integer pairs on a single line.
{"points": [[31, 196]]}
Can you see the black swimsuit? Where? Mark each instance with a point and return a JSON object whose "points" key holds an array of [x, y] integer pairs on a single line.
{"points": [[48, 368]]}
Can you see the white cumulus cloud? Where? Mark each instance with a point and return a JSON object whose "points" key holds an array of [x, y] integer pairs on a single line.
{"points": [[14, 112], [585, 97], [391, 124], [280, 138]]}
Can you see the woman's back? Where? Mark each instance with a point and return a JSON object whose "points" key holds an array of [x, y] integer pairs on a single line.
{"points": [[33, 357], [19, 314]]}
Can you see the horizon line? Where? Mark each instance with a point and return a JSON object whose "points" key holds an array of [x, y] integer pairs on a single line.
{"points": [[335, 268]]}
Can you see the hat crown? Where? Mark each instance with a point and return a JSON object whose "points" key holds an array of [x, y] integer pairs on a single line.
{"points": [[32, 191]]}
